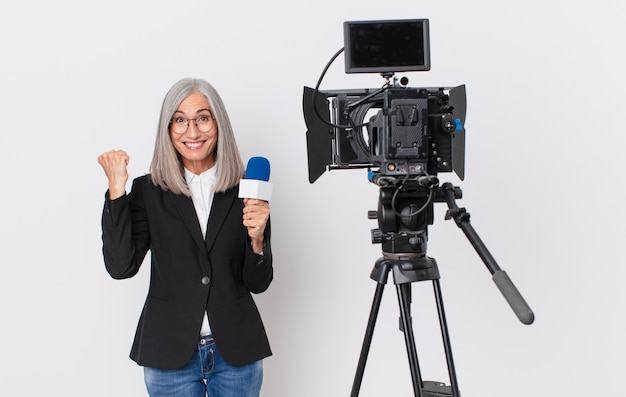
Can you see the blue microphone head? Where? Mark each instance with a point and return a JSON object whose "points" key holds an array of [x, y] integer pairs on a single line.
{"points": [[258, 168]]}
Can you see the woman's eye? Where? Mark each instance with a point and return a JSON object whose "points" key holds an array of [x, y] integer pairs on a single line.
{"points": [[203, 119], [179, 120]]}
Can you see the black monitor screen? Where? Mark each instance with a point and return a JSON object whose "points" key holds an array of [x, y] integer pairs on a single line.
{"points": [[386, 46]]}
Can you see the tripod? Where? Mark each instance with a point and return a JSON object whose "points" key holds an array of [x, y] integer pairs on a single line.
{"points": [[403, 217]]}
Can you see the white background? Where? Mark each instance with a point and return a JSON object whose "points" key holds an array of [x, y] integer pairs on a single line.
{"points": [[544, 161]]}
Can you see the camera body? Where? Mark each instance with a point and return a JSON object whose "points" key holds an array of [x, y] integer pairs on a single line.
{"points": [[396, 130], [414, 130]]}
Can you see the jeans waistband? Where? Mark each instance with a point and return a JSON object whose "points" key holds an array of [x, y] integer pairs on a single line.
{"points": [[205, 339]]}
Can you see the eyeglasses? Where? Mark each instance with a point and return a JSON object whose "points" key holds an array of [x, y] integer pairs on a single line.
{"points": [[204, 123]]}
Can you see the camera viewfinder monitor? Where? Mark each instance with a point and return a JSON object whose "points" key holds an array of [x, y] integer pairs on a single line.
{"points": [[386, 46]]}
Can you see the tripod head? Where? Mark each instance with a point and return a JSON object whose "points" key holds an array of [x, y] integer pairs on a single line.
{"points": [[405, 209]]}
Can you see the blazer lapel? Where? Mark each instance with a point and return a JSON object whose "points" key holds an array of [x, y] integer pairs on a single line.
{"points": [[184, 206], [222, 203]]}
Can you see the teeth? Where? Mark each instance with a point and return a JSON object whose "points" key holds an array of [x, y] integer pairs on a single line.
{"points": [[193, 145]]}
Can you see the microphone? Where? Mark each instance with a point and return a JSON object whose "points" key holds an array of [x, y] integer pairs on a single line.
{"points": [[256, 185]]}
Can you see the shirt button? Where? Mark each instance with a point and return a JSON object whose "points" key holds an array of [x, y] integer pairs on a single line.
{"points": [[205, 280]]}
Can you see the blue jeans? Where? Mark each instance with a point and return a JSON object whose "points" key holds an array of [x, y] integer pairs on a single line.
{"points": [[206, 373]]}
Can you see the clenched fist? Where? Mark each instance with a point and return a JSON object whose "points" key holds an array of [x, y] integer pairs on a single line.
{"points": [[114, 163], [255, 216]]}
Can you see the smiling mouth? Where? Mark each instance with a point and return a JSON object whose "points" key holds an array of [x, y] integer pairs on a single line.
{"points": [[193, 145]]}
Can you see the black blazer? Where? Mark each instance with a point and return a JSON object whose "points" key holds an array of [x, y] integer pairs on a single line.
{"points": [[189, 275]]}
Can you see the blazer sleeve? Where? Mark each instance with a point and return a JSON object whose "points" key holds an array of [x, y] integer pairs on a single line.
{"points": [[125, 234], [258, 271]]}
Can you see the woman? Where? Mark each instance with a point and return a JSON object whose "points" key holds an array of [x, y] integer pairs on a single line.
{"points": [[200, 331]]}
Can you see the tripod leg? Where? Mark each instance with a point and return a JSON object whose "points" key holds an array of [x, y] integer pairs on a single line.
{"points": [[367, 341], [404, 300], [446, 339]]}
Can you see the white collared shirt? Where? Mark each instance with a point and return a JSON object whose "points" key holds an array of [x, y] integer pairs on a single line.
{"points": [[201, 187]]}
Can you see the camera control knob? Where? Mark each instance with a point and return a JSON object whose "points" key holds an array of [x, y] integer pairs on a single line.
{"points": [[377, 236], [448, 124]]}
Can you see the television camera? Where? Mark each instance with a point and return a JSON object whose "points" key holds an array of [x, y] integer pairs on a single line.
{"points": [[405, 137]]}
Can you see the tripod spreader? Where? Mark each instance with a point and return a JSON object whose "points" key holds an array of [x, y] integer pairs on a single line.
{"points": [[501, 279]]}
